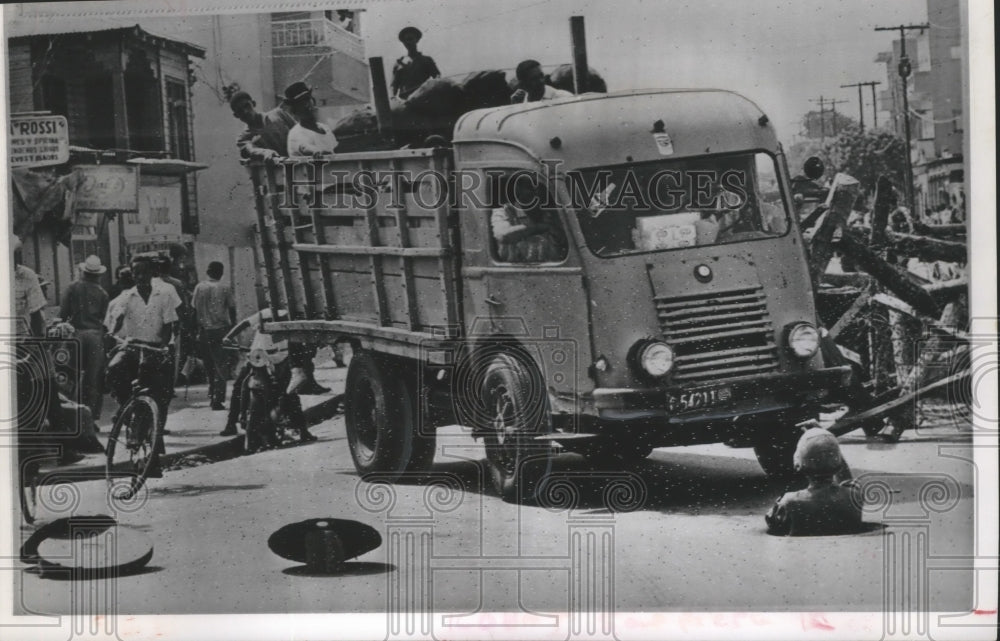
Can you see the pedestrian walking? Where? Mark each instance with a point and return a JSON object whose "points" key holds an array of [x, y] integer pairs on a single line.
{"points": [[215, 312], [187, 328], [84, 305], [29, 300]]}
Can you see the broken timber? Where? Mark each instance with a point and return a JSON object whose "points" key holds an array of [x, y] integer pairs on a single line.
{"points": [[929, 249]]}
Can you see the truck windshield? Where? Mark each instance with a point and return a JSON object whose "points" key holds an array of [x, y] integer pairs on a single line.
{"points": [[691, 202]]}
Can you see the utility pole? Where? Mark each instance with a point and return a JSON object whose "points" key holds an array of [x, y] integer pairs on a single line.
{"points": [[904, 70], [833, 106], [861, 103], [822, 119], [874, 105]]}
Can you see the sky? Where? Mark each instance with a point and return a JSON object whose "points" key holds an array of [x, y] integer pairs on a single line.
{"points": [[779, 54]]}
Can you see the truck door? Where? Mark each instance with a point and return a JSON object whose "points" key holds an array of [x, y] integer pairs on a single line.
{"points": [[524, 278]]}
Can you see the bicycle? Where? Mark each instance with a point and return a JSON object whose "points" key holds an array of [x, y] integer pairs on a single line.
{"points": [[137, 430]]}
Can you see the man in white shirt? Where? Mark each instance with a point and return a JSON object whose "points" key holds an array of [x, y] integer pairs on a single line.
{"points": [[309, 136], [531, 84], [29, 300], [147, 314]]}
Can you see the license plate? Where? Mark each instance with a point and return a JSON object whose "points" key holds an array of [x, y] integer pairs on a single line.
{"points": [[687, 401]]}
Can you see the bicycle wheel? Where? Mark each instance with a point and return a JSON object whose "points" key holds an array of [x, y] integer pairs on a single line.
{"points": [[132, 443]]}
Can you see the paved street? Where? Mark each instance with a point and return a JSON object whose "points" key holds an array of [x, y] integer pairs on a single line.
{"points": [[688, 533]]}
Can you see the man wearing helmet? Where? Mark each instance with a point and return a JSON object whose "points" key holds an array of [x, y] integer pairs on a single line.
{"points": [[825, 506]]}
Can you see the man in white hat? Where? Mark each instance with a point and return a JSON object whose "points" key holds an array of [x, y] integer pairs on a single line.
{"points": [[84, 305]]}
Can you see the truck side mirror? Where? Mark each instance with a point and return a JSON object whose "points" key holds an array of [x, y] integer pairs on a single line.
{"points": [[813, 168]]}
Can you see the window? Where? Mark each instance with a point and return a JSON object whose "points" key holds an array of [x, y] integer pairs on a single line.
{"points": [[177, 105], [99, 100], [143, 104], [54, 94], [525, 225], [631, 209]]}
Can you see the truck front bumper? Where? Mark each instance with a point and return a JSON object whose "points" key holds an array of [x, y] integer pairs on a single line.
{"points": [[731, 404]]}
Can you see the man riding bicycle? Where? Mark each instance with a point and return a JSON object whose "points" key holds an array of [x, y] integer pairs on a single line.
{"points": [[146, 315]]}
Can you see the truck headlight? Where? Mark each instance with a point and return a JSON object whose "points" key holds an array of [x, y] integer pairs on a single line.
{"points": [[656, 358], [803, 340]]}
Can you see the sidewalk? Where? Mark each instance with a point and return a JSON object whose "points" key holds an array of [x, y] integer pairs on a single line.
{"points": [[194, 427]]}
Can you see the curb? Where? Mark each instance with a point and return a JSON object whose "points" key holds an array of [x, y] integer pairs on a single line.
{"points": [[224, 450]]}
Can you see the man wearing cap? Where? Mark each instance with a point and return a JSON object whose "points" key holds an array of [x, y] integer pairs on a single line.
{"points": [[413, 69], [29, 300], [531, 84], [266, 134], [309, 136], [84, 305], [306, 138]]}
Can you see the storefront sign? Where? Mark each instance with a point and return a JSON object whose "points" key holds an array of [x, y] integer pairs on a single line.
{"points": [[38, 141], [107, 188], [85, 225], [158, 217]]}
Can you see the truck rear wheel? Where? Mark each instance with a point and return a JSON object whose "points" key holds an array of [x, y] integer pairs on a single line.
{"points": [[517, 405], [381, 416]]}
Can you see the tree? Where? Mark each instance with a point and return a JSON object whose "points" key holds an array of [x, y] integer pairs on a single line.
{"points": [[826, 124], [866, 156]]}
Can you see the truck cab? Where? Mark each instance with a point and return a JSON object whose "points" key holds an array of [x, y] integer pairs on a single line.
{"points": [[618, 272]]}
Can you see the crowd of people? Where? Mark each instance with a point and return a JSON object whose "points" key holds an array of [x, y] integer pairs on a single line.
{"points": [[147, 305]]}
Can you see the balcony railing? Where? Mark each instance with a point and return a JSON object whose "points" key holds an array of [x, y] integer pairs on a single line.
{"points": [[316, 32]]}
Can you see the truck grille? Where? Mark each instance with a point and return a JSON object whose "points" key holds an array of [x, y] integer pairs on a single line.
{"points": [[718, 336]]}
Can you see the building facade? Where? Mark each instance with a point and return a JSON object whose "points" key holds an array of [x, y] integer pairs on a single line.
{"points": [[936, 91], [157, 92], [126, 97]]}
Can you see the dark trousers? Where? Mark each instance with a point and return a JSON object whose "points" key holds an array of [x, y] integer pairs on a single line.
{"points": [[152, 371], [236, 398], [92, 367], [214, 357]]}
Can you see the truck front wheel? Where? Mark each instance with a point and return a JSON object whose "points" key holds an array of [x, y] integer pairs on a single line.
{"points": [[517, 406], [775, 450], [381, 416]]}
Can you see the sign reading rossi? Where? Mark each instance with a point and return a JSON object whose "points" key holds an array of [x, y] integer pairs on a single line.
{"points": [[38, 141], [107, 188]]}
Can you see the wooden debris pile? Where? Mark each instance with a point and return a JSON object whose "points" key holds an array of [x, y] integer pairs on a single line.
{"points": [[905, 334]]}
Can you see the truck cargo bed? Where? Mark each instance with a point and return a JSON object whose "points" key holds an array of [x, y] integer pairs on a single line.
{"points": [[360, 246]]}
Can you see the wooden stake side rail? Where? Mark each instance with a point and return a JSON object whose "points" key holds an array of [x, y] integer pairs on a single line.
{"points": [[319, 233], [363, 250], [429, 347], [392, 230], [405, 263], [258, 180], [273, 220]]}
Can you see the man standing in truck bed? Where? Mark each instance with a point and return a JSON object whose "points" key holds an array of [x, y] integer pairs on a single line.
{"points": [[266, 134], [413, 69], [531, 84]]}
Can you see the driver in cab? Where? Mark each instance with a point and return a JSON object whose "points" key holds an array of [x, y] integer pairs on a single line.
{"points": [[525, 231]]}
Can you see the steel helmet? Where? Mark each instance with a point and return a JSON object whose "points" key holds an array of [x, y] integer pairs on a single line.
{"points": [[818, 452]]}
